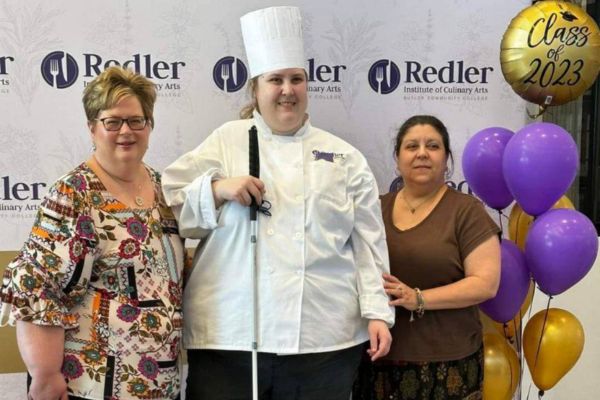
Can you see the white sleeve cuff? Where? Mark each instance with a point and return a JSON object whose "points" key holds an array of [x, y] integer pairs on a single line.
{"points": [[377, 307]]}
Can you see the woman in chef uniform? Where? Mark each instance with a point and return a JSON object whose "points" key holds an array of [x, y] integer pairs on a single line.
{"points": [[320, 252]]}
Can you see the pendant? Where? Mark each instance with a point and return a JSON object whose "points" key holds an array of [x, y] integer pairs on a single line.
{"points": [[139, 201]]}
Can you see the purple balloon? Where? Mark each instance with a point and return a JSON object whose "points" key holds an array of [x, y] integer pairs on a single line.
{"points": [[540, 163], [482, 166], [514, 284], [560, 249]]}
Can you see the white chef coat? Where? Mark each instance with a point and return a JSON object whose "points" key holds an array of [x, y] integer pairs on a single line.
{"points": [[320, 255]]}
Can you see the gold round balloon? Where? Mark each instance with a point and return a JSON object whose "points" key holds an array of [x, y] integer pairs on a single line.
{"points": [[501, 368], [550, 53], [519, 221], [552, 345]]}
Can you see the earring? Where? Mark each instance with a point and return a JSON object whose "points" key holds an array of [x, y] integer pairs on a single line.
{"points": [[448, 172], [93, 146]]}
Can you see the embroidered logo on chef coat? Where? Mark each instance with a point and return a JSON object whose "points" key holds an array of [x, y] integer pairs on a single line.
{"points": [[331, 157]]}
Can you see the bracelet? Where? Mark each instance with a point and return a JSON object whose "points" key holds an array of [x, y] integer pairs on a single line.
{"points": [[420, 310]]}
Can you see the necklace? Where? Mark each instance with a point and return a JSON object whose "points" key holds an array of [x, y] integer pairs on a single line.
{"points": [[138, 199], [412, 208]]}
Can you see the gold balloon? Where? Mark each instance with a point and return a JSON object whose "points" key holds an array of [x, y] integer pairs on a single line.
{"points": [[519, 221], [550, 53], [501, 368], [560, 346]]}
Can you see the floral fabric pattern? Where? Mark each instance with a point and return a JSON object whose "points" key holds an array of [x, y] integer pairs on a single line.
{"points": [[448, 380], [112, 277]]}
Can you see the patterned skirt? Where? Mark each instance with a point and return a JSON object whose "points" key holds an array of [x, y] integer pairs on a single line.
{"points": [[448, 380]]}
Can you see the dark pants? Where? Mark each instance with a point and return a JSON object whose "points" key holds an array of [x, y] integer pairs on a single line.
{"points": [[227, 375]]}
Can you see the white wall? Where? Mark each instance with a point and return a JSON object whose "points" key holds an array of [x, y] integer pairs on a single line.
{"points": [[184, 40]]}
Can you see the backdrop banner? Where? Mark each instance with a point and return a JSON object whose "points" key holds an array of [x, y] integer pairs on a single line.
{"points": [[371, 65]]}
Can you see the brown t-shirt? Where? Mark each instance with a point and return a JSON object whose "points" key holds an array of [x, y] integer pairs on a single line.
{"points": [[429, 255]]}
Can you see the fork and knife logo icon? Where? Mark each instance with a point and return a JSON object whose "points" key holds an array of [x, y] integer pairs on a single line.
{"points": [[59, 69], [230, 74], [384, 76]]}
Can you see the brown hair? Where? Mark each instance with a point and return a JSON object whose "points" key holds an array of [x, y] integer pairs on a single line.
{"points": [[114, 84]]}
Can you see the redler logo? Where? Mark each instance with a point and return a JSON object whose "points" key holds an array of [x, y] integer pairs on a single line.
{"points": [[385, 75], [59, 69]]}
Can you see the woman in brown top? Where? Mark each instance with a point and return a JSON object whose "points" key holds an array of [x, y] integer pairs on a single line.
{"points": [[444, 259]]}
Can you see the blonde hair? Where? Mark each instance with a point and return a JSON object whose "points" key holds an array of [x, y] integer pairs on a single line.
{"points": [[248, 109], [114, 84]]}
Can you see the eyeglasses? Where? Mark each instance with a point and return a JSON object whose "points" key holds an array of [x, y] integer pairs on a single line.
{"points": [[115, 123]]}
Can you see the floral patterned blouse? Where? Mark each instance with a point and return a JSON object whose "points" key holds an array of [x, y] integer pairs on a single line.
{"points": [[112, 277]]}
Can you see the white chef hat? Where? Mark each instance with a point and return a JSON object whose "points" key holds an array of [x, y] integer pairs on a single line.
{"points": [[273, 39]]}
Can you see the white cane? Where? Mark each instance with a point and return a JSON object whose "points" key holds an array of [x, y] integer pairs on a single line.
{"points": [[254, 171], [253, 231]]}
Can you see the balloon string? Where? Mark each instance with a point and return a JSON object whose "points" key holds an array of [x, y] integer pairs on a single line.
{"points": [[532, 298], [520, 333], [511, 341], [518, 338], [537, 353], [540, 394], [501, 227], [518, 330], [506, 336], [510, 368], [502, 215], [517, 238], [513, 377]]}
